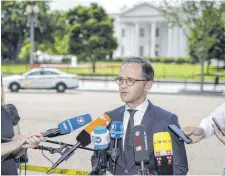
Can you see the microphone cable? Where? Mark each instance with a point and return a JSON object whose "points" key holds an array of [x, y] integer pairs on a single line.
{"points": [[42, 151]]}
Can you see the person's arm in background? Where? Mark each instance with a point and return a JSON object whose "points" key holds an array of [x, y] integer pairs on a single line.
{"points": [[16, 146], [207, 123], [206, 127], [32, 140], [220, 136], [12, 146]]}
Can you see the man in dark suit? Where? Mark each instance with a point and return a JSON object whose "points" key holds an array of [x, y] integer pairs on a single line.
{"points": [[135, 80]]}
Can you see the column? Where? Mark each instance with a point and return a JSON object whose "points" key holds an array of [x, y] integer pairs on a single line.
{"points": [[181, 44], [153, 28], [133, 52], [119, 37], [169, 41], [176, 41], [137, 39], [148, 34], [130, 40]]}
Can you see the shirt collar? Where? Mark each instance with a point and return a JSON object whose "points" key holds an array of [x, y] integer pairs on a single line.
{"points": [[142, 107]]}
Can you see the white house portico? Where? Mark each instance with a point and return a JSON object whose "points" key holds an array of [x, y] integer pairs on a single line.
{"points": [[144, 31]]}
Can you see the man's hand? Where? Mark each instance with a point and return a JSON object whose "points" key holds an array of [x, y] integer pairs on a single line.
{"points": [[32, 140], [219, 135], [195, 133]]}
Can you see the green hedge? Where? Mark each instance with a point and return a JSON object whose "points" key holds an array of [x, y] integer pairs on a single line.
{"points": [[180, 60]]}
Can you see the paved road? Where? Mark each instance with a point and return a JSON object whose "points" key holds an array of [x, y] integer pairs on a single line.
{"points": [[44, 110]]}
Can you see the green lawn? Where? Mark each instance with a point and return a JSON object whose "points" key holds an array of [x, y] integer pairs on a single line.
{"points": [[173, 71]]}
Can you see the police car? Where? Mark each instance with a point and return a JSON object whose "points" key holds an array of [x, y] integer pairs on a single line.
{"points": [[41, 78]]}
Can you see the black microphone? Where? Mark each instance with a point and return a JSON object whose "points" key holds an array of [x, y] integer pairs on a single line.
{"points": [[100, 138], [141, 154], [67, 126], [116, 133], [163, 151], [83, 138]]}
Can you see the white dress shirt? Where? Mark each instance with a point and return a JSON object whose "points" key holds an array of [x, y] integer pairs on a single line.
{"points": [[138, 116], [207, 123]]}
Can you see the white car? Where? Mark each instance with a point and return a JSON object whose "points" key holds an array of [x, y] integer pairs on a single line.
{"points": [[41, 78]]}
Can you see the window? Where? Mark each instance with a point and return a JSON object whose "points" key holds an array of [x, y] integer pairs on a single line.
{"points": [[123, 32], [122, 50], [34, 73], [49, 73], [142, 32], [141, 50], [156, 53], [157, 32]]}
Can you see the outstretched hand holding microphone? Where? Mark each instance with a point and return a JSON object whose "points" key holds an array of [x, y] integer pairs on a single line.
{"points": [[213, 124]]}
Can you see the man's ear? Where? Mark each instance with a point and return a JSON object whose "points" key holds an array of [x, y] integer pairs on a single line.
{"points": [[148, 85]]}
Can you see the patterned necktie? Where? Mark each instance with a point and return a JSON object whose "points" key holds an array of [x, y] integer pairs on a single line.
{"points": [[128, 145]]}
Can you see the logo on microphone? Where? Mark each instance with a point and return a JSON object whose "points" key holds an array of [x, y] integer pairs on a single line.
{"points": [[113, 127], [138, 141], [138, 148], [121, 127], [137, 133], [98, 140], [80, 120]]}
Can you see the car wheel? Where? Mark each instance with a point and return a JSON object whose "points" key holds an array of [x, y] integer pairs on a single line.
{"points": [[60, 87], [14, 87]]}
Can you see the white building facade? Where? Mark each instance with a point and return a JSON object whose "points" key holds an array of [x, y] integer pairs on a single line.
{"points": [[144, 32]]}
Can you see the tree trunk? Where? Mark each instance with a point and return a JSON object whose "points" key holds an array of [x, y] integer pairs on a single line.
{"points": [[93, 65], [208, 67], [217, 68], [18, 47], [202, 74]]}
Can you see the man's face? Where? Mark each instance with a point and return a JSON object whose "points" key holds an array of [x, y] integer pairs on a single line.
{"points": [[136, 93]]}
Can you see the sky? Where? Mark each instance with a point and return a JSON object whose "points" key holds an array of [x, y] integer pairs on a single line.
{"points": [[111, 6]]}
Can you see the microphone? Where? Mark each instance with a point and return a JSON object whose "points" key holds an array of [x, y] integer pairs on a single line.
{"points": [[163, 152], [84, 137], [100, 138], [116, 133], [141, 154], [69, 125]]}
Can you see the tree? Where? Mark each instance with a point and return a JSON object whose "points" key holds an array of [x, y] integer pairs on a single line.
{"points": [[14, 27], [90, 34], [217, 50], [197, 18]]}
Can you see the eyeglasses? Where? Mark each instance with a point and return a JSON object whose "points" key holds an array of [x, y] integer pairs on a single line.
{"points": [[129, 81]]}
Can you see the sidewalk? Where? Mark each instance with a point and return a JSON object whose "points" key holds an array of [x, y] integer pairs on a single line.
{"points": [[168, 88]]}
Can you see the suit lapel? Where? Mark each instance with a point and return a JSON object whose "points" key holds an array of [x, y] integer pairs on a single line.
{"points": [[148, 117]]}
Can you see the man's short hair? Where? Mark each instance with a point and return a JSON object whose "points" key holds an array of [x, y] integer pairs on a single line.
{"points": [[147, 69]]}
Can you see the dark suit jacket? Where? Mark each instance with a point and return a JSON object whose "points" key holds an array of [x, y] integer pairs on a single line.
{"points": [[155, 120]]}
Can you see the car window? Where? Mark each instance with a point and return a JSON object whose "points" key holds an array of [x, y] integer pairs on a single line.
{"points": [[49, 73], [34, 73]]}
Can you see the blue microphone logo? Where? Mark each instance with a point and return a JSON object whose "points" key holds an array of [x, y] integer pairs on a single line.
{"points": [[116, 130], [80, 120], [113, 127], [121, 127]]}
